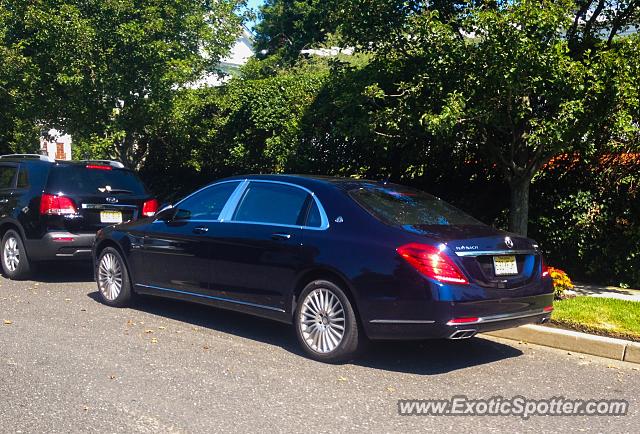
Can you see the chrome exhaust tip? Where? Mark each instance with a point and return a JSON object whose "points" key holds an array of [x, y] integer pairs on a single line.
{"points": [[463, 334]]}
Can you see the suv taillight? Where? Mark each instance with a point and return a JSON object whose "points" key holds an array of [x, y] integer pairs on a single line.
{"points": [[56, 205], [432, 262], [150, 208]]}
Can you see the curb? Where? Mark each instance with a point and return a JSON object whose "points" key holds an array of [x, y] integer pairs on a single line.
{"points": [[611, 348]]}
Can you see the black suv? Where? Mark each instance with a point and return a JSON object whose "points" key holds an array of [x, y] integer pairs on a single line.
{"points": [[51, 210]]}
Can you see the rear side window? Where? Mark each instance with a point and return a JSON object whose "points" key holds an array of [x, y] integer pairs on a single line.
{"points": [[78, 179], [403, 206], [313, 218], [7, 176], [272, 203], [207, 204], [23, 178]]}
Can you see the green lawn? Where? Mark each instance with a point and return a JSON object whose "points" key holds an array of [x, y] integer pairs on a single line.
{"points": [[603, 316]]}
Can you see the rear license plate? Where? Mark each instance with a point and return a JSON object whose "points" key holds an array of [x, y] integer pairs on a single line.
{"points": [[110, 216], [505, 265]]}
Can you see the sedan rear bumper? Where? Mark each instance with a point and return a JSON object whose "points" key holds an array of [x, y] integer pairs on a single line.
{"points": [[459, 320]]}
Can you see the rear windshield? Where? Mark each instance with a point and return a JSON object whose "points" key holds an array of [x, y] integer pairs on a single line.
{"points": [[79, 179], [403, 206]]}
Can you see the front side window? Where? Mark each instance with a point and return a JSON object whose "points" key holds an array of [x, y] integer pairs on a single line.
{"points": [[272, 203], [207, 204], [7, 176], [404, 206]]}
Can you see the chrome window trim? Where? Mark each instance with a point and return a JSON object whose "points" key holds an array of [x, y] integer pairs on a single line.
{"points": [[324, 219], [495, 252], [211, 297], [241, 183], [232, 202], [230, 207]]}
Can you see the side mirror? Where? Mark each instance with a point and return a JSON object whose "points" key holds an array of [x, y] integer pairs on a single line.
{"points": [[166, 214], [181, 214]]}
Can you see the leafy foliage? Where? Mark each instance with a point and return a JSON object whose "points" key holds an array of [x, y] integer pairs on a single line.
{"points": [[107, 70], [498, 80], [288, 26], [253, 124], [587, 216]]}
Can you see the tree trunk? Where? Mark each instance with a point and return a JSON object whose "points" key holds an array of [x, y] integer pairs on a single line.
{"points": [[519, 211]]}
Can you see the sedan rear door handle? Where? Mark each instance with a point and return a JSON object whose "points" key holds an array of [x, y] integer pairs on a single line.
{"points": [[200, 230], [280, 236]]}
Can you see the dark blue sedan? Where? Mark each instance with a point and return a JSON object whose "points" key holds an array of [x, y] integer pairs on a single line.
{"points": [[344, 260]]}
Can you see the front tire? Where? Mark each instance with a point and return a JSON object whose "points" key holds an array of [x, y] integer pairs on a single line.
{"points": [[326, 324], [112, 277], [15, 262]]}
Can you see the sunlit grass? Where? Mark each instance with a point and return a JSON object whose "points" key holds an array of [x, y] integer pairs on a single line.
{"points": [[606, 316]]}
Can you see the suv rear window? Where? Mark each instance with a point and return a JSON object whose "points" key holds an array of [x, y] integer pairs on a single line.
{"points": [[408, 207], [79, 179]]}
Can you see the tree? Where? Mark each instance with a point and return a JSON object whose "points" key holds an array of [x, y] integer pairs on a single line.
{"points": [[503, 80], [253, 124], [105, 71], [288, 26]]}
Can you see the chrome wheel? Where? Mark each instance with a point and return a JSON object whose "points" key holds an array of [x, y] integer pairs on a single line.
{"points": [[322, 320], [110, 276], [11, 254]]}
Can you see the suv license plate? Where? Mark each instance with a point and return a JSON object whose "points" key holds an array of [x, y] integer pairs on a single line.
{"points": [[505, 265], [110, 216]]}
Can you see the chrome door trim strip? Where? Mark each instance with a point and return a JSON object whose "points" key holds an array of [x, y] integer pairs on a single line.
{"points": [[228, 300], [401, 321]]}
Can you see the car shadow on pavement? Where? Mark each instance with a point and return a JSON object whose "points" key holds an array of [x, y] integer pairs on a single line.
{"points": [[63, 272], [417, 357]]}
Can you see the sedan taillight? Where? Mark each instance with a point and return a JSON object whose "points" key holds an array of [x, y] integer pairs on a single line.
{"points": [[545, 268], [432, 262], [56, 205], [150, 208]]}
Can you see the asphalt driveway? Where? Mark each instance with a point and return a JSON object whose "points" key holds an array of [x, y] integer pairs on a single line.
{"points": [[71, 364]]}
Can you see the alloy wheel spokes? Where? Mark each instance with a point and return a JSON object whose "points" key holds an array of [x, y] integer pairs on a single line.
{"points": [[110, 276], [322, 320], [11, 254]]}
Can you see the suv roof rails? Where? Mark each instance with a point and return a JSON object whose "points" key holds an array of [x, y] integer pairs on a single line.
{"points": [[30, 157], [112, 163]]}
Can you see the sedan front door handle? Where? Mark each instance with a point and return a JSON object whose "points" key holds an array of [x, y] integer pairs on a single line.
{"points": [[200, 230], [280, 236]]}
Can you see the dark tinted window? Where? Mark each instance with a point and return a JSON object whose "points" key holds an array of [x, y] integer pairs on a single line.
{"points": [[313, 219], [266, 202], [23, 178], [207, 204], [406, 207], [7, 175], [78, 179]]}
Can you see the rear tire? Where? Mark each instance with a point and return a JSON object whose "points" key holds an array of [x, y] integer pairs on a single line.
{"points": [[326, 325], [15, 263], [112, 277]]}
